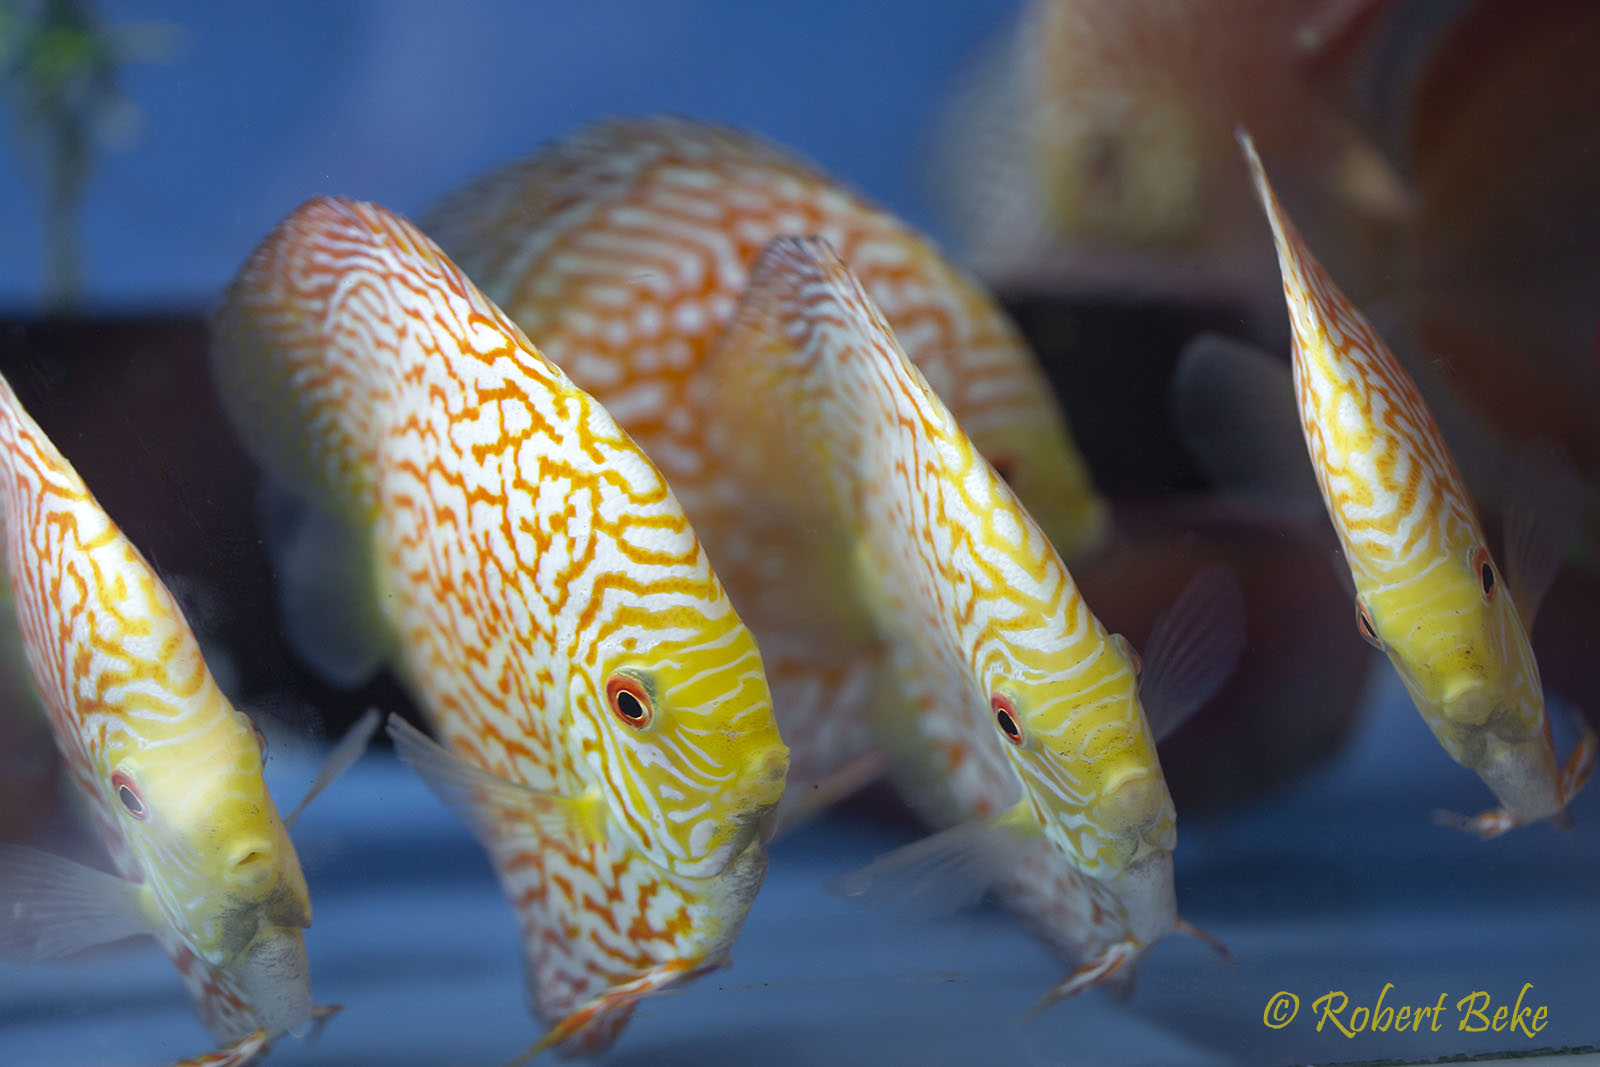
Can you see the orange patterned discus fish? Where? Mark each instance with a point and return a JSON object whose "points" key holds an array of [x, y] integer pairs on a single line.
{"points": [[625, 249], [607, 728], [1428, 593], [1091, 147], [169, 770], [1009, 711]]}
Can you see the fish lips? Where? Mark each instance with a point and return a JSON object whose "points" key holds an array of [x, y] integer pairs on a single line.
{"points": [[243, 924]]}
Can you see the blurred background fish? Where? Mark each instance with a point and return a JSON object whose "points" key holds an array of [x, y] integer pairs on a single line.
{"points": [[1089, 151]]}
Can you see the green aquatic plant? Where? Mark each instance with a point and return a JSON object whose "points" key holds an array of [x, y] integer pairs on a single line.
{"points": [[59, 73]]}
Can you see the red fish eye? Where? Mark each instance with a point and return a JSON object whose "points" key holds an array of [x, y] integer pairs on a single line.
{"points": [[1365, 625], [629, 700], [128, 793], [1485, 568], [1005, 717]]}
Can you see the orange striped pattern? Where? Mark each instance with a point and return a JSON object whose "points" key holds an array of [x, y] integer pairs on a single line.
{"points": [[529, 557], [977, 609], [625, 249], [132, 706], [1427, 588]]}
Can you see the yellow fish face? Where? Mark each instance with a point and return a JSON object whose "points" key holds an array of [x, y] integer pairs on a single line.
{"points": [[1121, 168], [1043, 468], [1079, 741], [683, 744], [1458, 644], [218, 864]]}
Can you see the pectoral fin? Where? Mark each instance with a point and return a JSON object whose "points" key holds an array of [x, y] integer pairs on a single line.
{"points": [[948, 871], [51, 907], [1192, 649], [346, 752], [325, 594], [1541, 520], [491, 807]]}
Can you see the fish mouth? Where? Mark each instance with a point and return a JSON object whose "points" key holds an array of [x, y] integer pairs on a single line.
{"points": [[242, 923], [749, 832]]}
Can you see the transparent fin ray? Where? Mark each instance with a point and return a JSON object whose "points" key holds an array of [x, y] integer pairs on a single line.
{"points": [[941, 874], [55, 907], [1541, 520], [478, 798], [328, 611], [1192, 649], [345, 753], [802, 801]]}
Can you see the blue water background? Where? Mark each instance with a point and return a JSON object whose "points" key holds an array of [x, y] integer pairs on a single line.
{"points": [[1339, 883], [398, 101]]}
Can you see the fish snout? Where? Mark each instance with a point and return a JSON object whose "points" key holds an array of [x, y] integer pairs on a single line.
{"points": [[250, 865], [1468, 703], [1135, 801], [765, 776]]}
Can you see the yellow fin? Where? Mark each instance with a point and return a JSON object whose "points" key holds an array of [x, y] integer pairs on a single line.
{"points": [[492, 807]]}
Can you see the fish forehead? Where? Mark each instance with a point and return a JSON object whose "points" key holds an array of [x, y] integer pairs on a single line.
{"points": [[625, 248], [1392, 488]]}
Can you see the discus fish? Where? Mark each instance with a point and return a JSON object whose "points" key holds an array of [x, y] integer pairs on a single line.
{"points": [[624, 250], [1427, 590], [606, 726], [1009, 710], [169, 771], [1092, 145]]}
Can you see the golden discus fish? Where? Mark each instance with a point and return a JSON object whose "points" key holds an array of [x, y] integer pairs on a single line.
{"points": [[606, 724], [624, 250], [1427, 590], [169, 770], [1009, 713]]}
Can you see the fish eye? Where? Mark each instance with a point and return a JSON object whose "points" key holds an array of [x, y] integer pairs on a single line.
{"points": [[1364, 623], [629, 700], [261, 740], [1485, 568], [1005, 716], [128, 793]]}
